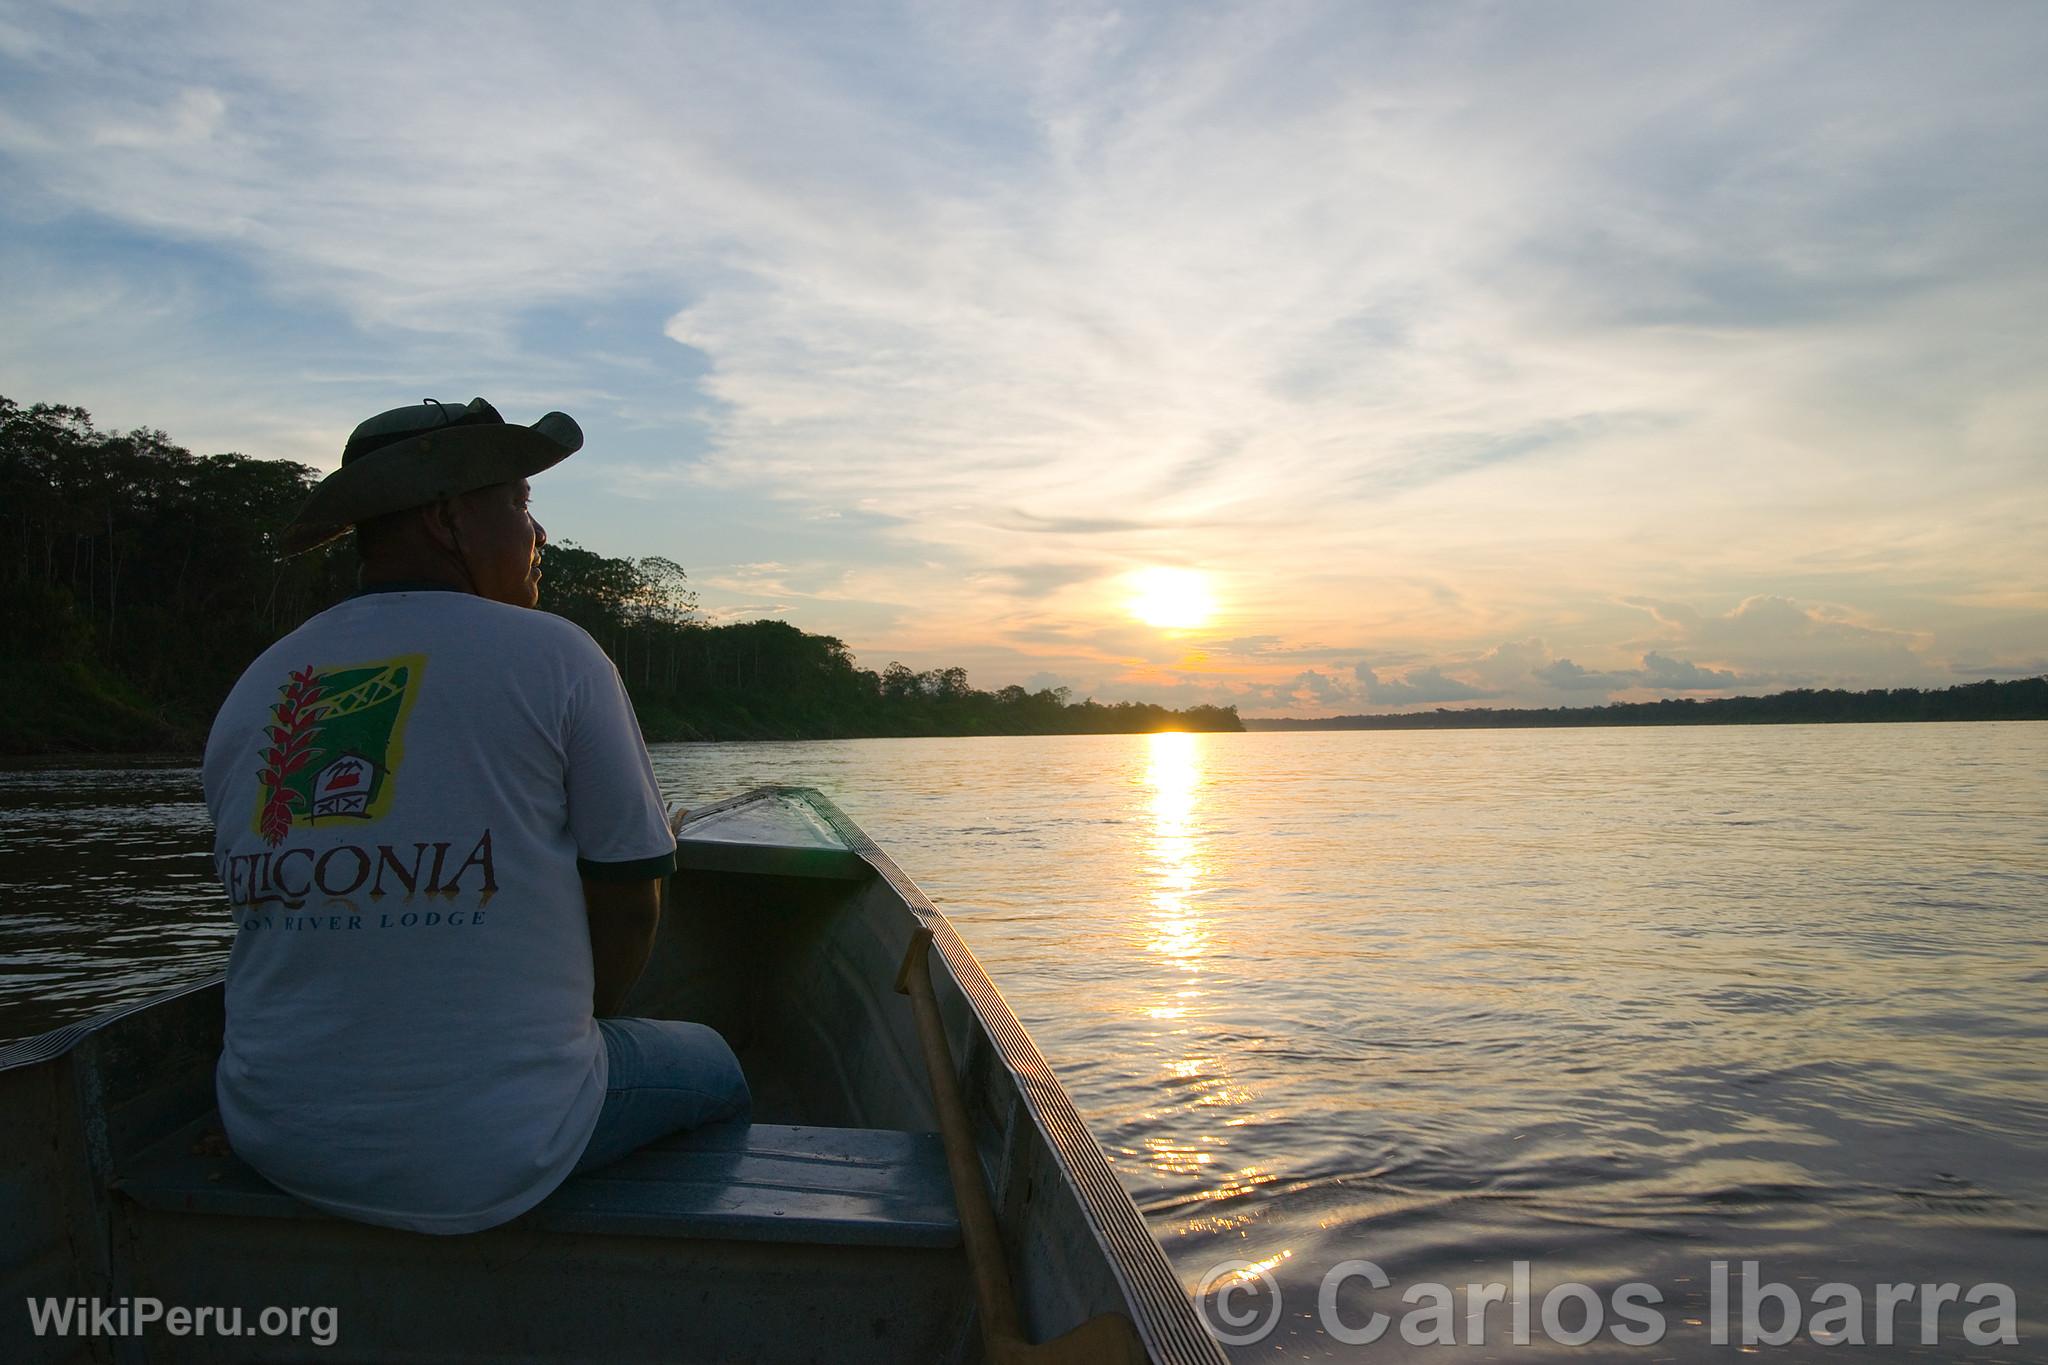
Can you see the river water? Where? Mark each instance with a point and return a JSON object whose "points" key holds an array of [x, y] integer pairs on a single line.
{"points": [[1616, 1003]]}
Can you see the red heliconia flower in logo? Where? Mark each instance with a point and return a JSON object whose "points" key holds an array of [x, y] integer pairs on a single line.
{"points": [[297, 721]]}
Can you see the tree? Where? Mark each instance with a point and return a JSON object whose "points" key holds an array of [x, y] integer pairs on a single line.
{"points": [[666, 598], [899, 682]]}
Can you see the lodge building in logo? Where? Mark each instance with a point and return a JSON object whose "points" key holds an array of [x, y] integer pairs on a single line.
{"points": [[343, 787], [334, 744]]}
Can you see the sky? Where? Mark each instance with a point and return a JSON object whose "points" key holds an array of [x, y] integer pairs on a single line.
{"points": [[1394, 356]]}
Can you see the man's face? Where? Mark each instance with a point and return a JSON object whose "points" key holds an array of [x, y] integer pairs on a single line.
{"points": [[501, 542]]}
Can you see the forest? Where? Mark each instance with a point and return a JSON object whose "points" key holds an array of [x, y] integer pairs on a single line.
{"points": [[2020, 699], [138, 579]]}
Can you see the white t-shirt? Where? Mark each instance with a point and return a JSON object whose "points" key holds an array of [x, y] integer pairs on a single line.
{"points": [[405, 791]]}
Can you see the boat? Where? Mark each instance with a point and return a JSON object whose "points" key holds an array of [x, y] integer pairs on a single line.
{"points": [[915, 1184]]}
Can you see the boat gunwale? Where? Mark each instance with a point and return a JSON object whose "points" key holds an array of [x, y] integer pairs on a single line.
{"points": [[65, 1038], [1165, 1318]]}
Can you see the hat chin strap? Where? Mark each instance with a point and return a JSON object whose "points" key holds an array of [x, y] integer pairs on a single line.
{"points": [[461, 554]]}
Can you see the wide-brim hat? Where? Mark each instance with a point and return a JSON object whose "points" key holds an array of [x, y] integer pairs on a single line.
{"points": [[413, 457]]}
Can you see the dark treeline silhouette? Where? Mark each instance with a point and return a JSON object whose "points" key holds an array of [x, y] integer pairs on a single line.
{"points": [[137, 580], [2023, 699]]}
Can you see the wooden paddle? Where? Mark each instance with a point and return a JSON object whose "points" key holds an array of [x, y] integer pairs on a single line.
{"points": [[1107, 1339]]}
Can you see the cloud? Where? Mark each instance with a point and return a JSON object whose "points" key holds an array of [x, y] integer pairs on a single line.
{"points": [[1032, 581], [1280, 649], [1247, 645], [1322, 689], [1566, 676], [1681, 675], [765, 578], [190, 117], [1418, 685], [2028, 668], [1777, 637], [1525, 672], [1076, 526], [1424, 331]]}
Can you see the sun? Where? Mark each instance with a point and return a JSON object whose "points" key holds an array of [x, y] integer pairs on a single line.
{"points": [[1171, 599]]}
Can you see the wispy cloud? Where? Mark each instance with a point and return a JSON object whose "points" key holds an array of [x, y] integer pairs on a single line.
{"points": [[1425, 329]]}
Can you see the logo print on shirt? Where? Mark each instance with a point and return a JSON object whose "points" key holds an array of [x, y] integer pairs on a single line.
{"points": [[334, 744]]}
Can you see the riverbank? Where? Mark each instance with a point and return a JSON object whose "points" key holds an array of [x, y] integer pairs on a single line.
{"points": [[50, 707], [53, 709], [2020, 699]]}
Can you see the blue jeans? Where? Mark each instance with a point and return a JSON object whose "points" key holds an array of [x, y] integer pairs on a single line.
{"points": [[665, 1075]]}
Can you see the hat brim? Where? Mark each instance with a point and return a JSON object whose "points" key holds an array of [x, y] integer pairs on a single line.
{"points": [[425, 469]]}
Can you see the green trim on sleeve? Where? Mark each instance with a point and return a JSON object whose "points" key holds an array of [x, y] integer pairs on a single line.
{"points": [[639, 870]]}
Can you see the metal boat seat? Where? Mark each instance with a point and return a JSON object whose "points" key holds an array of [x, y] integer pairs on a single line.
{"points": [[732, 1182]]}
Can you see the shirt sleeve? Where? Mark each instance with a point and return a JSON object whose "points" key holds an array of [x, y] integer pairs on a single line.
{"points": [[615, 808]]}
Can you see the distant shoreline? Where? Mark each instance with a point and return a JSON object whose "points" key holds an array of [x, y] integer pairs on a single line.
{"points": [[54, 709], [2020, 699], [83, 730]]}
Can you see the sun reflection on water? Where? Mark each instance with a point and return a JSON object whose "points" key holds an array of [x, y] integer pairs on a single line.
{"points": [[1174, 773], [1179, 934], [1197, 1158]]}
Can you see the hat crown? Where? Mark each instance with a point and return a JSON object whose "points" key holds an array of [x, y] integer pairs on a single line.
{"points": [[402, 424], [435, 451]]}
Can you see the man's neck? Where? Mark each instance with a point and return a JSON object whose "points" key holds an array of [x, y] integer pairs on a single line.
{"points": [[412, 570]]}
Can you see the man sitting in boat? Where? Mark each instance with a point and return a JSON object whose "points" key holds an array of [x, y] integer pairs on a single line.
{"points": [[443, 844]]}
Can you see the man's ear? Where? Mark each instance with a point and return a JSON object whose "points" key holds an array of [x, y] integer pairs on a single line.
{"points": [[439, 519]]}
